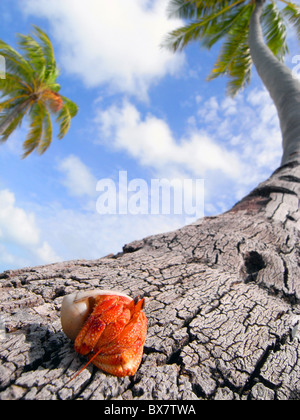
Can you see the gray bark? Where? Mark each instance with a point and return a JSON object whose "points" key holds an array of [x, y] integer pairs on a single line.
{"points": [[223, 306], [283, 87]]}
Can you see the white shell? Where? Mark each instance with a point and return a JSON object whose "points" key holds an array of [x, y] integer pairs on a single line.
{"points": [[75, 309]]}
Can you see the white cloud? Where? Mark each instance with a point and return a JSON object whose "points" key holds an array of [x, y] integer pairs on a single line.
{"points": [[233, 144], [249, 125], [152, 143], [46, 254], [90, 235], [15, 224], [115, 42], [20, 234], [78, 178]]}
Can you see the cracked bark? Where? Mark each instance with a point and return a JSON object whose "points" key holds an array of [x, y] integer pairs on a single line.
{"points": [[223, 306]]}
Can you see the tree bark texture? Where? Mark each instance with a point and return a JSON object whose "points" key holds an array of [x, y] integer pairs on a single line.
{"points": [[222, 301]]}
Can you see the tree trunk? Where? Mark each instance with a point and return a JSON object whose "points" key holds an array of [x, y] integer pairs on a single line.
{"points": [[223, 307], [283, 87]]}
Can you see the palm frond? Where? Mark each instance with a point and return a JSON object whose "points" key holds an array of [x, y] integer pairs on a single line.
{"points": [[11, 89], [47, 134], [55, 87], [73, 108], [178, 39], [220, 29], [46, 45], [240, 70], [183, 9], [64, 121], [234, 59], [275, 30], [34, 54], [15, 63], [52, 71], [196, 9], [292, 12], [12, 102], [12, 127], [34, 136], [13, 83], [68, 111]]}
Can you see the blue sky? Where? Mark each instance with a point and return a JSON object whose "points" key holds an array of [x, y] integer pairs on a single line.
{"points": [[142, 110]]}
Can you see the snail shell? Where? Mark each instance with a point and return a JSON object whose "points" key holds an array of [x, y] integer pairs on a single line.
{"points": [[76, 308]]}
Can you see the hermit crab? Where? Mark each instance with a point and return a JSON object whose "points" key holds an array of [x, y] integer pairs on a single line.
{"points": [[107, 326]]}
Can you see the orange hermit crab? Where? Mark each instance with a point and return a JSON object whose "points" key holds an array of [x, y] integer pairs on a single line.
{"points": [[108, 326]]}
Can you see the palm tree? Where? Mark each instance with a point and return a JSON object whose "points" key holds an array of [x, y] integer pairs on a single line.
{"points": [[255, 33], [30, 88]]}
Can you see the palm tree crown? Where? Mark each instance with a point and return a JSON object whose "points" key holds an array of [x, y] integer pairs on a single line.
{"points": [[30, 88], [213, 20]]}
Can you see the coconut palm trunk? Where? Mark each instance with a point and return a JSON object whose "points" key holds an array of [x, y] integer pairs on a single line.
{"points": [[282, 85]]}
